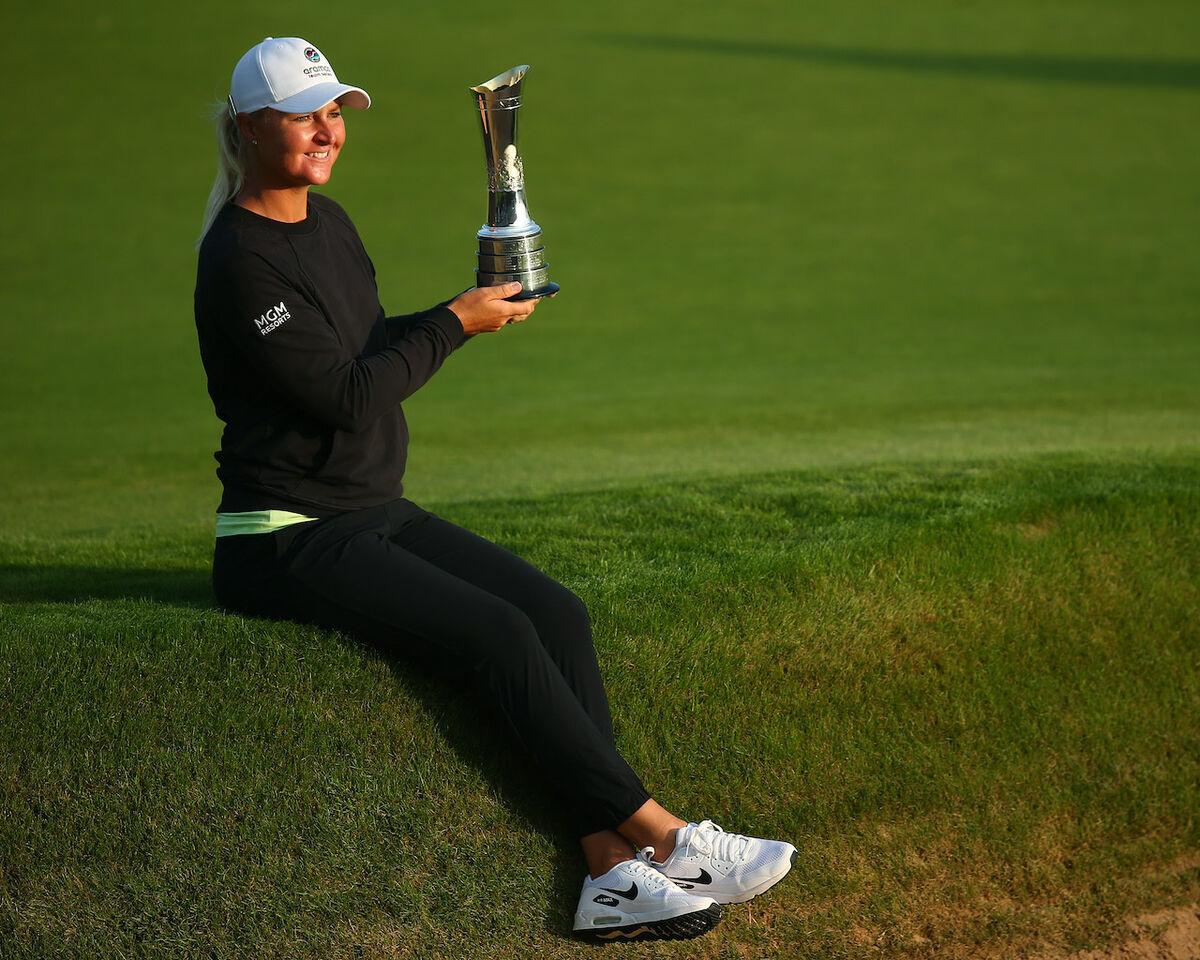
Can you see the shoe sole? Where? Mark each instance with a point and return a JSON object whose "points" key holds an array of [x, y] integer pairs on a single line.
{"points": [[746, 895], [684, 927]]}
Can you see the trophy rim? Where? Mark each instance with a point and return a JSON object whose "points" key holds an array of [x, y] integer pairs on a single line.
{"points": [[509, 78], [514, 231]]}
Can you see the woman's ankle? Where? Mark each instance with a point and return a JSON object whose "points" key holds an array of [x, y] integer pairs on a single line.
{"points": [[652, 826], [604, 850]]}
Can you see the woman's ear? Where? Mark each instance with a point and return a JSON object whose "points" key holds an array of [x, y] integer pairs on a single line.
{"points": [[247, 127]]}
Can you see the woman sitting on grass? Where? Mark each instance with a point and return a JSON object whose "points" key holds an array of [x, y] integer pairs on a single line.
{"points": [[308, 374]]}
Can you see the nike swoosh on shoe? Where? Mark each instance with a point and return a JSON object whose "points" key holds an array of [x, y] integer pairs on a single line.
{"points": [[630, 894], [688, 882]]}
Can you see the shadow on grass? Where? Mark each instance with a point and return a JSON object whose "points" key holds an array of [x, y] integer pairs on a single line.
{"points": [[66, 583], [449, 707], [482, 745], [486, 744], [1034, 67]]}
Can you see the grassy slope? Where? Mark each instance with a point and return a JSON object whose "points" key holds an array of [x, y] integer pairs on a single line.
{"points": [[873, 373], [970, 694]]}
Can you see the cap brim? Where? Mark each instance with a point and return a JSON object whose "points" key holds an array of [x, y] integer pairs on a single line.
{"points": [[314, 98]]}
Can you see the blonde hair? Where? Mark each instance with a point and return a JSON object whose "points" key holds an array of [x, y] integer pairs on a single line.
{"points": [[231, 170]]}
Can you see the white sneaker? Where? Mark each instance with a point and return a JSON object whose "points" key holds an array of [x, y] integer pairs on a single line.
{"points": [[728, 867], [635, 902]]}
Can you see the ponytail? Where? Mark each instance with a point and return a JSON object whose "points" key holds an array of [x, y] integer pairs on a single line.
{"points": [[231, 172]]}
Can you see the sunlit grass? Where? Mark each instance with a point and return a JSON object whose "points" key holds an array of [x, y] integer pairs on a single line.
{"points": [[969, 694]]}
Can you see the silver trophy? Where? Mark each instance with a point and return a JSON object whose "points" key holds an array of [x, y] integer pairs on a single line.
{"points": [[510, 243]]}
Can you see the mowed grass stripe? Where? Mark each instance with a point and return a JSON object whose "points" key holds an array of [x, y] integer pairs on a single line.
{"points": [[969, 692]]}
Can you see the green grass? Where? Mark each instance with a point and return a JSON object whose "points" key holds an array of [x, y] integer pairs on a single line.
{"points": [[770, 258], [867, 423], [968, 692]]}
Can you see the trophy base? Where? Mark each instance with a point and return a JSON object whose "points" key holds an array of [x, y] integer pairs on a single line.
{"points": [[548, 290], [523, 258], [532, 288]]}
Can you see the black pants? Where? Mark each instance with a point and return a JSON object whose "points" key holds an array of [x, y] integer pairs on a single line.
{"points": [[412, 584]]}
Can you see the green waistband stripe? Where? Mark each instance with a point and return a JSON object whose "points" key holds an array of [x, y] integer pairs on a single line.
{"points": [[257, 521]]}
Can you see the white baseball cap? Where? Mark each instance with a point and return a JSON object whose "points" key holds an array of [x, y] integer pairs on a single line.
{"points": [[289, 75]]}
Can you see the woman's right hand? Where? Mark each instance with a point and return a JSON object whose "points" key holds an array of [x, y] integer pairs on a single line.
{"points": [[487, 309]]}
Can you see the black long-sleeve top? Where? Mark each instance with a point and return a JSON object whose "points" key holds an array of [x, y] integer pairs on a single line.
{"points": [[304, 367]]}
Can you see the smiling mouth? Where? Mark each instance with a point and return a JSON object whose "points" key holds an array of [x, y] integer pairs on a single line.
{"points": [[318, 156]]}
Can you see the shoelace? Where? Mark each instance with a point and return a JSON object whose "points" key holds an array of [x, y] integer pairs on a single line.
{"points": [[707, 838], [642, 867]]}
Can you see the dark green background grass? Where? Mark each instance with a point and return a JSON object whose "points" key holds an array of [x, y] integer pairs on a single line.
{"points": [[866, 423]]}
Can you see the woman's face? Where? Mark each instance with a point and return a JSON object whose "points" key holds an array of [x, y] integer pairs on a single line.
{"points": [[297, 149]]}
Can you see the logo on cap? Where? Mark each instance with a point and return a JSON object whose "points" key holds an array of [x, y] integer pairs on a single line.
{"points": [[312, 55]]}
